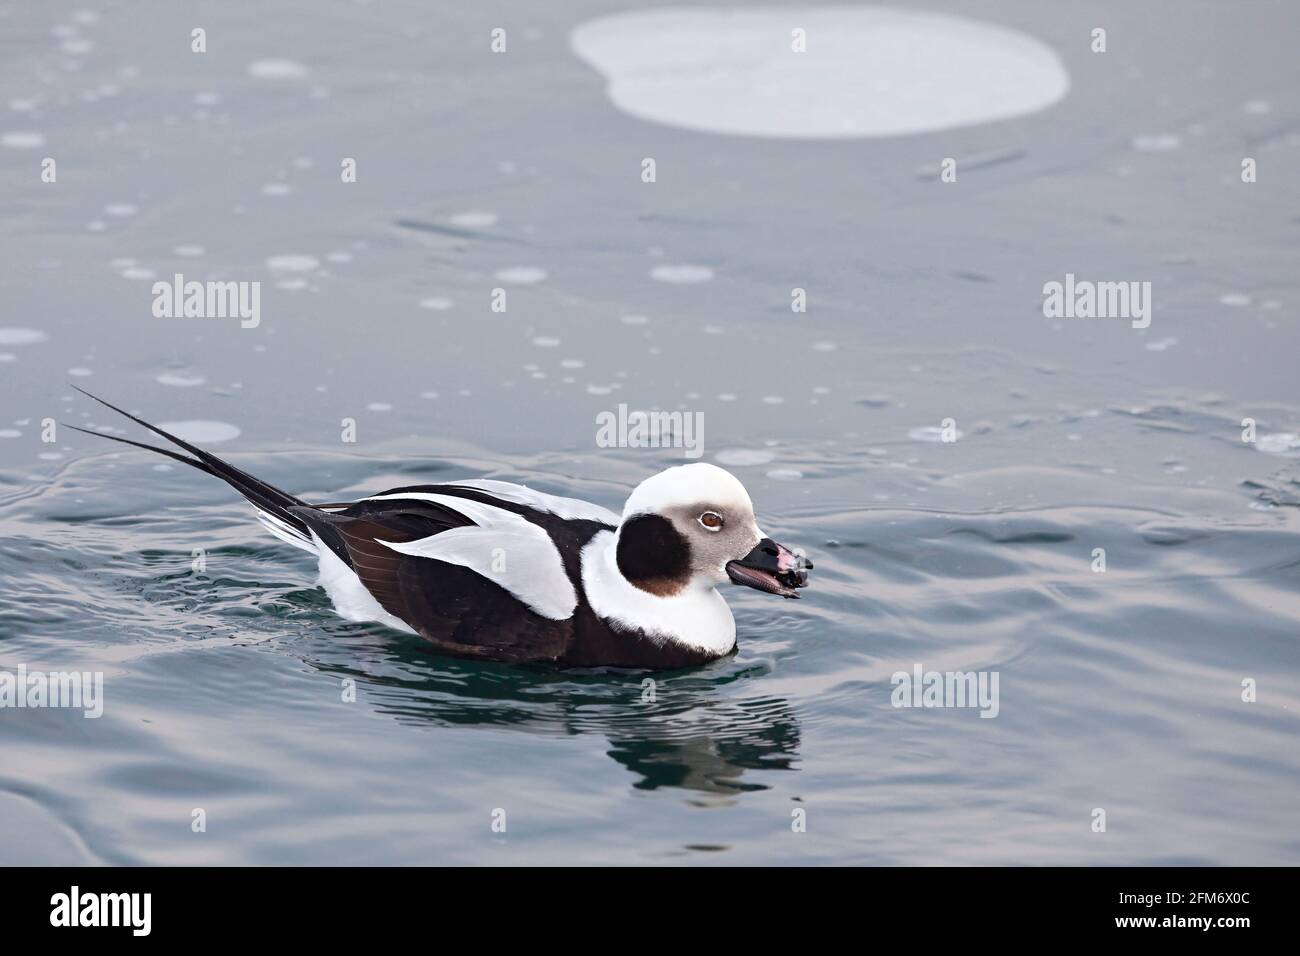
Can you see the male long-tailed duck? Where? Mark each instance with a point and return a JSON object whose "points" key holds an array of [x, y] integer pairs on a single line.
{"points": [[492, 570]]}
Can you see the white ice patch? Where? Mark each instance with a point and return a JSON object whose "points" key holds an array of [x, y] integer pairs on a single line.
{"points": [[522, 275], [12, 336], [180, 379], [474, 219], [931, 433], [681, 275], [871, 71], [23, 139], [201, 431], [742, 457], [293, 262], [1157, 142], [277, 70]]}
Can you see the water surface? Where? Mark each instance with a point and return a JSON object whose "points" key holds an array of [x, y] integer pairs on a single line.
{"points": [[225, 688]]}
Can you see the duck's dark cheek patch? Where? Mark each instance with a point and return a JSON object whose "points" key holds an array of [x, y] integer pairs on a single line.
{"points": [[653, 555]]}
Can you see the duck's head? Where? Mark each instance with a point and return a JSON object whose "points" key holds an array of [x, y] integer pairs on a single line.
{"points": [[693, 527]]}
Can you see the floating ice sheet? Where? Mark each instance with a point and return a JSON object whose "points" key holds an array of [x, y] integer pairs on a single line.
{"points": [[864, 72]]}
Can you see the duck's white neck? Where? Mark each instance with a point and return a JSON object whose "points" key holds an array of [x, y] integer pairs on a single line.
{"points": [[697, 616]]}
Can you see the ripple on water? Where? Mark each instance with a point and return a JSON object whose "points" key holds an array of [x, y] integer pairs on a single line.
{"points": [[972, 580], [1285, 444]]}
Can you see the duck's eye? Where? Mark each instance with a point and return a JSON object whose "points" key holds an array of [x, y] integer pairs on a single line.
{"points": [[711, 520]]}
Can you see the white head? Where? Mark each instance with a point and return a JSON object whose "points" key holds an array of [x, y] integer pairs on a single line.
{"points": [[693, 526]]}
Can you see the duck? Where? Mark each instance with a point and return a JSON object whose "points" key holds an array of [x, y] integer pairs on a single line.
{"points": [[492, 570]]}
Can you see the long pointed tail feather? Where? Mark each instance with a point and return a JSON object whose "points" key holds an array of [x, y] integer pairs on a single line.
{"points": [[274, 507]]}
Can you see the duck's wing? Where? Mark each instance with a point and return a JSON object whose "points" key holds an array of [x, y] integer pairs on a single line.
{"points": [[470, 574]]}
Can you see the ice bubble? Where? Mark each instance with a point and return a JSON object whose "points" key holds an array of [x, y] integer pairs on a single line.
{"points": [[277, 69], [682, 274], [474, 219], [15, 336], [521, 275], [293, 262], [741, 457], [22, 139], [180, 379], [201, 430], [1156, 142], [931, 433]]}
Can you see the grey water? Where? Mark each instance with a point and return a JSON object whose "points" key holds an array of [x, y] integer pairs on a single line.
{"points": [[1163, 690]]}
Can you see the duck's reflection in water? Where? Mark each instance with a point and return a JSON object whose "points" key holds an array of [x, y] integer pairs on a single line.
{"points": [[687, 729]]}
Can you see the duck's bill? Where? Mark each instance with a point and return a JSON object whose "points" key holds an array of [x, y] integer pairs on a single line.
{"points": [[771, 567]]}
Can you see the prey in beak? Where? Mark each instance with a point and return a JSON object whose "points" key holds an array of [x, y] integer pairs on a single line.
{"points": [[771, 567]]}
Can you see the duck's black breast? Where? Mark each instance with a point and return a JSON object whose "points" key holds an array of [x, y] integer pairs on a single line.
{"points": [[599, 643]]}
